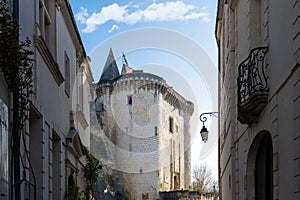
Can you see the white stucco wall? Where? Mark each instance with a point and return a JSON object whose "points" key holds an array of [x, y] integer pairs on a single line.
{"points": [[51, 121]]}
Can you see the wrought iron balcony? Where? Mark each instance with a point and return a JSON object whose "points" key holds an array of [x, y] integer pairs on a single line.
{"points": [[252, 85]]}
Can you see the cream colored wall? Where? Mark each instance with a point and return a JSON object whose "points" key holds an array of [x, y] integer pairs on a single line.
{"points": [[280, 117], [84, 97], [170, 141]]}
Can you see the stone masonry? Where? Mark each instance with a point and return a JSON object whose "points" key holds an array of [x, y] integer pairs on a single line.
{"points": [[145, 124]]}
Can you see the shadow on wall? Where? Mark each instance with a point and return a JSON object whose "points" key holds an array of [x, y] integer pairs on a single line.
{"points": [[186, 194], [109, 187]]}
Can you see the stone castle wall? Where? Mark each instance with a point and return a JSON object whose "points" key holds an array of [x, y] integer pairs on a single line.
{"points": [[134, 114]]}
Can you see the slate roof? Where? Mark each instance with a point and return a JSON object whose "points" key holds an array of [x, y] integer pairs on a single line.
{"points": [[110, 70]]}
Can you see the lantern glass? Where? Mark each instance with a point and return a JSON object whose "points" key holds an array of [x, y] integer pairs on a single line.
{"points": [[204, 134]]}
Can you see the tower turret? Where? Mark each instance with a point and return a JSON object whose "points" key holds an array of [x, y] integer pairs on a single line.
{"points": [[110, 70]]}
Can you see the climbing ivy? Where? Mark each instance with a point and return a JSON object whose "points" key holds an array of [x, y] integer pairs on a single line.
{"points": [[15, 56], [16, 66], [91, 172]]}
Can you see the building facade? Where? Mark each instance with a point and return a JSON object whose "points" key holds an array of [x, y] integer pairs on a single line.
{"points": [[51, 151], [259, 104], [147, 124]]}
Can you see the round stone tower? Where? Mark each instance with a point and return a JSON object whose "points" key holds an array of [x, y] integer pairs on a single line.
{"points": [[147, 122]]}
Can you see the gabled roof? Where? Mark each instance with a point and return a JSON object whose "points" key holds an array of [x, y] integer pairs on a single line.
{"points": [[110, 70]]}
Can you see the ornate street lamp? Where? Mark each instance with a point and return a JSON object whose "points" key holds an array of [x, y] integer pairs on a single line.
{"points": [[204, 131]]}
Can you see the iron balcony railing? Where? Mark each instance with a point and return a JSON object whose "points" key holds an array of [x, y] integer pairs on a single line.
{"points": [[252, 86], [252, 77]]}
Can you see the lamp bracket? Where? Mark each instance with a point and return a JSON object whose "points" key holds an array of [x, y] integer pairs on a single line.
{"points": [[204, 119]]}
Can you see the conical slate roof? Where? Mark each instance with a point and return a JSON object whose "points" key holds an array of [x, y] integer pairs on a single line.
{"points": [[110, 70]]}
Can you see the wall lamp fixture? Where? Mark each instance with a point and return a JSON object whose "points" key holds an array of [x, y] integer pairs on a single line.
{"points": [[204, 131]]}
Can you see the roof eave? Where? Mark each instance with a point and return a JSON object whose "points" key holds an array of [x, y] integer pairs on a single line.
{"points": [[69, 16], [219, 18]]}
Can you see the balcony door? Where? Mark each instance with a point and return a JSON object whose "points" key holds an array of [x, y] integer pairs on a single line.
{"points": [[263, 170], [260, 168]]}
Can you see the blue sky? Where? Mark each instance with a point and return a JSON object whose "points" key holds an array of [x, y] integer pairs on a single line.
{"points": [[173, 39], [98, 20]]}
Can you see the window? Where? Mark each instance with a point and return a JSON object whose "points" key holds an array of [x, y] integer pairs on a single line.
{"points": [[180, 113], [56, 165], [166, 179], [36, 136], [130, 147], [67, 75], [145, 196], [71, 179], [102, 107], [141, 171], [155, 130], [47, 22], [4, 192], [176, 182], [129, 100], [171, 124]]}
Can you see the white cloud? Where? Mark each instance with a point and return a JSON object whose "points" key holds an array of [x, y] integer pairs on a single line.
{"points": [[82, 15], [206, 19], [131, 3], [197, 16], [135, 6], [112, 12], [134, 17], [156, 12], [114, 27]]}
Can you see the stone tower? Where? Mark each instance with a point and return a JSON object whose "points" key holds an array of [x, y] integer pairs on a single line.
{"points": [[147, 125]]}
